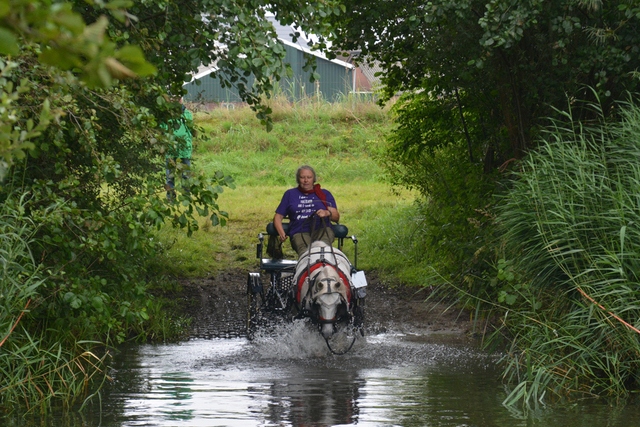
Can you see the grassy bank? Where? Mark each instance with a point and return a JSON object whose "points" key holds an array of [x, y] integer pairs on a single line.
{"points": [[340, 141]]}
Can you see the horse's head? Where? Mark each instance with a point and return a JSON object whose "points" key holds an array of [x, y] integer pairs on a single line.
{"points": [[328, 292]]}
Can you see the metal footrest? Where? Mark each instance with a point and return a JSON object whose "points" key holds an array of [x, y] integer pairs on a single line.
{"points": [[254, 284]]}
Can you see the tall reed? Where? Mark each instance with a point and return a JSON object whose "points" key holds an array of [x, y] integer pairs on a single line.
{"points": [[37, 367], [571, 226]]}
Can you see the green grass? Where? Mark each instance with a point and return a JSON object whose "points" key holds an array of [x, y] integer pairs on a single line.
{"points": [[338, 140]]}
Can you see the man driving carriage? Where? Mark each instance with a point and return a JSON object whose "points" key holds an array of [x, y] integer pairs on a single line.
{"points": [[321, 285], [299, 205]]}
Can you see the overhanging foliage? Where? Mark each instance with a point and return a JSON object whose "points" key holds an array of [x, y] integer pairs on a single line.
{"points": [[80, 137], [513, 61]]}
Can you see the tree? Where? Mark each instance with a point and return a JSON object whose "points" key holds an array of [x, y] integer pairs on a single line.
{"points": [[64, 41], [509, 66], [83, 148], [512, 62], [91, 127]]}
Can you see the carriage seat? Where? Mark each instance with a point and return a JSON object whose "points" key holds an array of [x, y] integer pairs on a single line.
{"points": [[278, 265], [340, 230]]}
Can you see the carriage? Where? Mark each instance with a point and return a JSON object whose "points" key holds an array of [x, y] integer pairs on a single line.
{"points": [[322, 286]]}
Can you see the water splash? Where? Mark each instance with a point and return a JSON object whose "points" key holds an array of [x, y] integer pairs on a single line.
{"points": [[296, 340]]}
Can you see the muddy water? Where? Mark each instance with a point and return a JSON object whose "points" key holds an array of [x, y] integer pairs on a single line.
{"points": [[291, 379]]}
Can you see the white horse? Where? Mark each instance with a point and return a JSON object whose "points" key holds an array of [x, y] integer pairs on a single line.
{"points": [[322, 287]]}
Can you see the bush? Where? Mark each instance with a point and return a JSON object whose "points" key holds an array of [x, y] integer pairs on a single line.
{"points": [[431, 151], [451, 226]]}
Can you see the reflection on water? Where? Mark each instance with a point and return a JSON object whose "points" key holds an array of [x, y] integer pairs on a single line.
{"points": [[292, 380]]}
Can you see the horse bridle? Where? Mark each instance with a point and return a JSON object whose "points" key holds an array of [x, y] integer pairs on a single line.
{"points": [[313, 282], [326, 279], [335, 319]]}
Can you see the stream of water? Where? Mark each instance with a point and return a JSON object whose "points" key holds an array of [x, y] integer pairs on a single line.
{"points": [[292, 380]]}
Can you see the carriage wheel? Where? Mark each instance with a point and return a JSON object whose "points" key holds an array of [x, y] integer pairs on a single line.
{"points": [[358, 319], [255, 297], [279, 297], [253, 314], [358, 315]]}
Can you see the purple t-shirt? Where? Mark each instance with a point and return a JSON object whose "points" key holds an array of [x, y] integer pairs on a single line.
{"points": [[298, 206]]}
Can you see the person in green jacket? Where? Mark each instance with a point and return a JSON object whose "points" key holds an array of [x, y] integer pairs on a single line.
{"points": [[179, 157]]}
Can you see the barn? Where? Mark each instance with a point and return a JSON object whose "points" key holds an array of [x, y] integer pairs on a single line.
{"points": [[337, 78]]}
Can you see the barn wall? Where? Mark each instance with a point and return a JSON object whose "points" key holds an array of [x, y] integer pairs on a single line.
{"points": [[210, 90], [335, 82]]}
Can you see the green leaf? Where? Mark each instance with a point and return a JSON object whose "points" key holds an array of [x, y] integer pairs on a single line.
{"points": [[8, 42], [70, 21], [119, 4], [97, 303], [133, 58], [60, 59], [95, 32], [130, 53], [4, 8], [76, 303]]}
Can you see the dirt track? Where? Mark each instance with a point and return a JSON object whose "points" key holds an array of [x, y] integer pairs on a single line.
{"points": [[218, 308]]}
